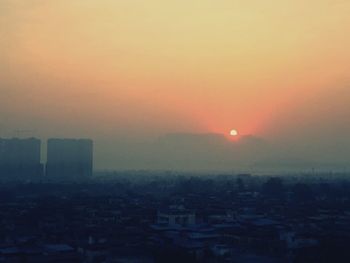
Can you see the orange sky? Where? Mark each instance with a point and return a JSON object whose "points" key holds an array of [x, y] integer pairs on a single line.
{"points": [[148, 67]]}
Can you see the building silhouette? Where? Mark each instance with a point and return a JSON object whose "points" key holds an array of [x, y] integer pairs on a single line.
{"points": [[69, 159], [20, 159]]}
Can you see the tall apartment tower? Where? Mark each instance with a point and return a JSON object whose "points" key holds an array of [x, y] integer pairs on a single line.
{"points": [[69, 159], [20, 159]]}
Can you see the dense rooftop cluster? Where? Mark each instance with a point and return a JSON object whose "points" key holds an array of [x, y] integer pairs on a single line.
{"points": [[168, 217]]}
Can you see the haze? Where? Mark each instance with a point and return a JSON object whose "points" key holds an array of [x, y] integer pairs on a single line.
{"points": [[156, 83]]}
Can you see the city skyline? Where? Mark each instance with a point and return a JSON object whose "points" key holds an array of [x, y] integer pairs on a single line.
{"points": [[192, 131], [65, 159]]}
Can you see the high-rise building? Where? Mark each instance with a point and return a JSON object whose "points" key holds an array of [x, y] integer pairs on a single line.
{"points": [[20, 159], [69, 159]]}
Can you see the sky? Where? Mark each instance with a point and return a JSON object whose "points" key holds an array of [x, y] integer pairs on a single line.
{"points": [[135, 74]]}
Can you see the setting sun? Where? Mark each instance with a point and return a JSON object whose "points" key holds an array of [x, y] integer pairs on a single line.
{"points": [[234, 133]]}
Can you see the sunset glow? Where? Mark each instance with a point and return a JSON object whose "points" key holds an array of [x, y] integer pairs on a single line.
{"points": [[139, 69], [175, 131]]}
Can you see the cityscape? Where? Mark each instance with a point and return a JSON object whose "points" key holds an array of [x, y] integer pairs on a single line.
{"points": [[68, 213], [184, 131]]}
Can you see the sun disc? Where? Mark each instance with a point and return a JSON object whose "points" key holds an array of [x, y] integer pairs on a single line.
{"points": [[233, 132]]}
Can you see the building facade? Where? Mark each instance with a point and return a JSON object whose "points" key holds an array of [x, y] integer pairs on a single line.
{"points": [[20, 159], [69, 159]]}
